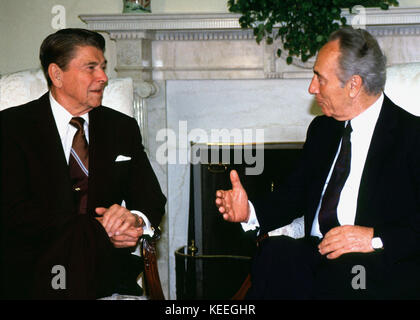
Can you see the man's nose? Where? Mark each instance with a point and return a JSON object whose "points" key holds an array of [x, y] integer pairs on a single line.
{"points": [[313, 87], [102, 77]]}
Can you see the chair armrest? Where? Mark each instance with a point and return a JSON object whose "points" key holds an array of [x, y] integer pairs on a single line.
{"points": [[241, 293], [148, 249]]}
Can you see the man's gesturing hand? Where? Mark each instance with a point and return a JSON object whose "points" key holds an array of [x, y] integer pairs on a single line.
{"points": [[233, 204], [345, 239]]}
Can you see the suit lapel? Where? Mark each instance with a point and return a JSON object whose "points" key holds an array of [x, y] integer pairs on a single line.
{"points": [[46, 137], [336, 133], [100, 150], [45, 125], [326, 145], [381, 147]]}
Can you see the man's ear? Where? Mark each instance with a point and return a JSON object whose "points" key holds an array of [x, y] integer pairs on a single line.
{"points": [[355, 84], [55, 73]]}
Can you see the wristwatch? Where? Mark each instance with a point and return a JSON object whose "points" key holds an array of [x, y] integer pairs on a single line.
{"points": [[377, 243]]}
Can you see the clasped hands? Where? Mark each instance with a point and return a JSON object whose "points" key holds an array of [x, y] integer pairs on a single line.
{"points": [[123, 227], [233, 205]]}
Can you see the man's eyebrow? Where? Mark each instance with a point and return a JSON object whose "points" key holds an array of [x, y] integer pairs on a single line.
{"points": [[318, 74], [95, 63]]}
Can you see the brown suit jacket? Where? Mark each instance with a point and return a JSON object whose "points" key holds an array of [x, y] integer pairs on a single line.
{"points": [[39, 225]]}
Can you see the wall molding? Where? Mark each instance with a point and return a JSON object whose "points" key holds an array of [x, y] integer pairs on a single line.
{"points": [[163, 26], [135, 33]]}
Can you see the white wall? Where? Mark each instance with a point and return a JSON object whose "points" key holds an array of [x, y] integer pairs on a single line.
{"points": [[25, 23], [189, 6], [409, 3]]}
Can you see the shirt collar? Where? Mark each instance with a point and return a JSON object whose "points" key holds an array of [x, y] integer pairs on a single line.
{"points": [[62, 116], [368, 118]]}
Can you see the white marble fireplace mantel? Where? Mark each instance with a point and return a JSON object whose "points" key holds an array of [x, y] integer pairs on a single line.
{"points": [[147, 28], [204, 71]]}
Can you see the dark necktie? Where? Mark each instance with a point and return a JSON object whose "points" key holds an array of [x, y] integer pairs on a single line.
{"points": [[327, 216], [79, 165]]}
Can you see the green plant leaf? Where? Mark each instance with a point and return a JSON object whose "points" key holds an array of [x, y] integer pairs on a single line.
{"points": [[304, 25]]}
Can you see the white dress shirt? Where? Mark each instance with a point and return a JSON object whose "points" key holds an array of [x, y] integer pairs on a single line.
{"points": [[363, 126], [66, 131]]}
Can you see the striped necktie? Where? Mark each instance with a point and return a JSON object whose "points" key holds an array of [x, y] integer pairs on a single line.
{"points": [[79, 165]]}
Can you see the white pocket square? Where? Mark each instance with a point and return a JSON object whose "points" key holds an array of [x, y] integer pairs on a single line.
{"points": [[122, 158]]}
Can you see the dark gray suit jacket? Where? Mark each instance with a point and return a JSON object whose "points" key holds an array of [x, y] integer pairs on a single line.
{"points": [[389, 194]]}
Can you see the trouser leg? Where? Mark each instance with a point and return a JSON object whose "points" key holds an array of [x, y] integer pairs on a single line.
{"points": [[284, 268]]}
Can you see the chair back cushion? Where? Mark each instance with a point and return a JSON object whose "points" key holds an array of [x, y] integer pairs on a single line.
{"points": [[24, 86], [403, 86]]}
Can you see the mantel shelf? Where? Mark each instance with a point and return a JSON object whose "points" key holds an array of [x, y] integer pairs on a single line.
{"points": [[204, 32], [375, 19]]}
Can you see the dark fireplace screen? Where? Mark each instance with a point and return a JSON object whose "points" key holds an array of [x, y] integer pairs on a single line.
{"points": [[217, 258]]}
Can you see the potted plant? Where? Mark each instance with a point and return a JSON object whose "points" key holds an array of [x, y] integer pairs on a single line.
{"points": [[302, 25]]}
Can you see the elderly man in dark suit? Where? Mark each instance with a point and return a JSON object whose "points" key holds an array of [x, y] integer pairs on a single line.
{"points": [[357, 185], [67, 166]]}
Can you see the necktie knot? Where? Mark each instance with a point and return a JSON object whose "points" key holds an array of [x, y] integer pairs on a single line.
{"points": [[348, 129], [78, 123]]}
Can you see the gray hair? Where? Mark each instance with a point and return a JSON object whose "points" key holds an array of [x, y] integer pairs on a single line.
{"points": [[361, 55]]}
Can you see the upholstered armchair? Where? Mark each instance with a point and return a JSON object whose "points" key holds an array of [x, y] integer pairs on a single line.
{"points": [[21, 87]]}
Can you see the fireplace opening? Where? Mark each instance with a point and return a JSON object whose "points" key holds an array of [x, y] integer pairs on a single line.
{"points": [[217, 258]]}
